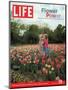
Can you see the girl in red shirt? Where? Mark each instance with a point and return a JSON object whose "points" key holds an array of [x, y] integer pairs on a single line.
{"points": [[45, 44]]}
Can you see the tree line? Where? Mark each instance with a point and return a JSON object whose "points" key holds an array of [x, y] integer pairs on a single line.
{"points": [[31, 35]]}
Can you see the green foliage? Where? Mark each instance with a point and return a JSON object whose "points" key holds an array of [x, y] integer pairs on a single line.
{"points": [[14, 26], [62, 72], [31, 36], [59, 34], [33, 28]]}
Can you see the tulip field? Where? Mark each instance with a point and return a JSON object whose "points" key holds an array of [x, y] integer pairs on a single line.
{"points": [[28, 65]]}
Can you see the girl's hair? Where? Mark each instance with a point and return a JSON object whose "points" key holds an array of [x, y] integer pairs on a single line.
{"points": [[41, 37], [46, 36], [42, 32]]}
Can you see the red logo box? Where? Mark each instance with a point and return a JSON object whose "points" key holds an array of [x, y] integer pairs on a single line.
{"points": [[22, 11]]}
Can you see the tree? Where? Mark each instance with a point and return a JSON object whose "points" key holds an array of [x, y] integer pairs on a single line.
{"points": [[30, 38], [22, 26], [34, 28], [59, 34], [14, 26]]}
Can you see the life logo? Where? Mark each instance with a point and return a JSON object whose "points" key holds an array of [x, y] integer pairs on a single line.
{"points": [[22, 11]]}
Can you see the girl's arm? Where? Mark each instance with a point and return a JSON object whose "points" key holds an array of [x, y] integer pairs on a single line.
{"points": [[43, 43]]}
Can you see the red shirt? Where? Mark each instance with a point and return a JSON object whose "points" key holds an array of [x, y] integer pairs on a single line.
{"points": [[45, 43]]}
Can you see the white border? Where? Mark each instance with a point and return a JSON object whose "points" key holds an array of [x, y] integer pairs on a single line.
{"points": [[4, 44]]}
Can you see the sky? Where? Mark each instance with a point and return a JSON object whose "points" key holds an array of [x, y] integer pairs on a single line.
{"points": [[39, 16]]}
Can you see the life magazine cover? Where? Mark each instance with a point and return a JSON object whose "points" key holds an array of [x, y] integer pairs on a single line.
{"points": [[37, 53]]}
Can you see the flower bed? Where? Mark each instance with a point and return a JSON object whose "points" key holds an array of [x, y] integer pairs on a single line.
{"points": [[28, 65]]}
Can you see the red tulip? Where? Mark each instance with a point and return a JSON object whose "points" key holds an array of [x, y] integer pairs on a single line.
{"points": [[43, 59], [52, 63], [58, 66], [56, 60], [36, 62]]}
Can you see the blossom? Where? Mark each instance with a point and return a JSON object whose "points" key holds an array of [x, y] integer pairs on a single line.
{"points": [[49, 66], [57, 78], [27, 55], [52, 68], [43, 60], [46, 65], [56, 60], [44, 70], [52, 63], [58, 66], [49, 60]]}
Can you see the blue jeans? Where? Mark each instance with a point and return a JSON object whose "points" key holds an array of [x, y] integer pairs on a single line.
{"points": [[46, 50]]}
